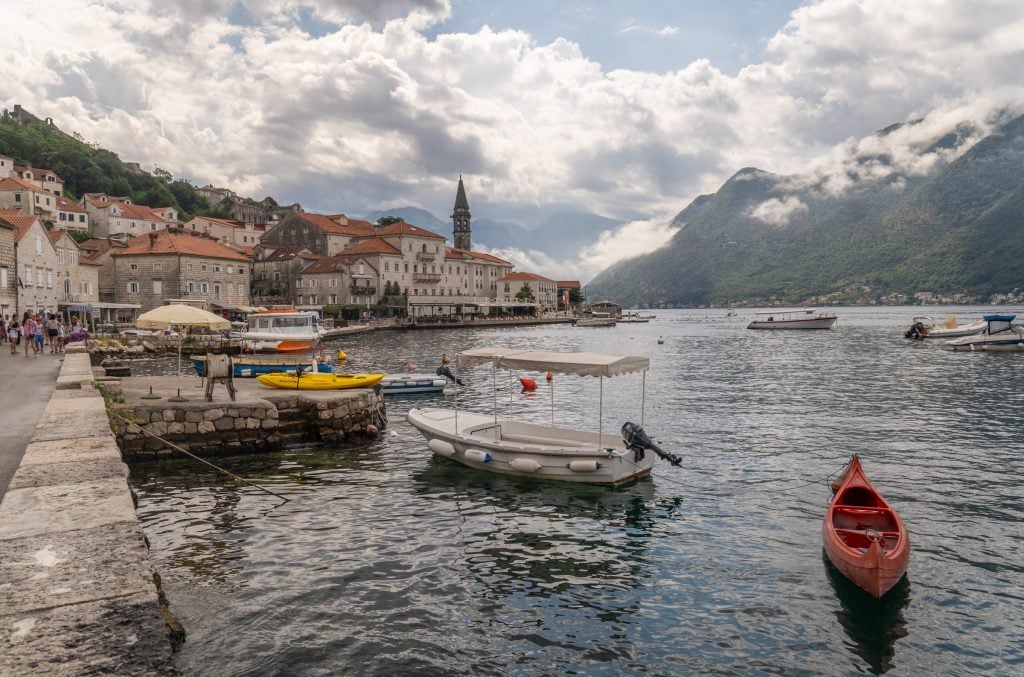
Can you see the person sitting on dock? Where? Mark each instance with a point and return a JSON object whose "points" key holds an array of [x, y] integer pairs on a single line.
{"points": [[446, 370]]}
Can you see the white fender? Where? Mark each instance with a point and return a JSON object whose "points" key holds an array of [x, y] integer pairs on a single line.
{"points": [[584, 466], [525, 465], [477, 455], [441, 448]]}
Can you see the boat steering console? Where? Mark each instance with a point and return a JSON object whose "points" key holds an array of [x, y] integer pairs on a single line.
{"points": [[637, 441]]}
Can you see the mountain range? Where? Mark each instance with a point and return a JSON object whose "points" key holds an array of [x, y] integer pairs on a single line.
{"points": [[945, 216], [562, 234]]}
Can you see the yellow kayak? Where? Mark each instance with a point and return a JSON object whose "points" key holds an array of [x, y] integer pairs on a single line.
{"points": [[319, 381]]}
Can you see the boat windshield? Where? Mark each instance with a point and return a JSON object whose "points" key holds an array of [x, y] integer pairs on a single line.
{"points": [[281, 323]]}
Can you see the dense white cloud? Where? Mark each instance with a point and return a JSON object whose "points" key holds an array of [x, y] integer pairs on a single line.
{"points": [[347, 104], [778, 212]]}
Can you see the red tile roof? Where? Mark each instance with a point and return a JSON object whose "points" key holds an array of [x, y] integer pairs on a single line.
{"points": [[403, 228], [129, 211], [21, 222], [328, 264], [166, 242], [465, 253], [11, 183], [374, 245], [568, 284], [66, 205], [86, 261], [330, 224], [37, 171], [524, 277], [99, 246]]}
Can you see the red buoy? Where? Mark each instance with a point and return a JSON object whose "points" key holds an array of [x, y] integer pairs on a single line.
{"points": [[528, 383], [549, 376]]}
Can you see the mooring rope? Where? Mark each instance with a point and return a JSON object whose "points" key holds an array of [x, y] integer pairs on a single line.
{"points": [[190, 454]]}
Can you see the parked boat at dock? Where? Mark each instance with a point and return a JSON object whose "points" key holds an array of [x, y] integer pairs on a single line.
{"points": [[596, 320], [281, 330], [412, 384], [246, 366], [862, 535], [793, 318], [319, 381], [999, 334], [511, 447]]}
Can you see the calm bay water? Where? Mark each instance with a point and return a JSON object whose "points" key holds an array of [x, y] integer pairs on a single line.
{"points": [[387, 561]]}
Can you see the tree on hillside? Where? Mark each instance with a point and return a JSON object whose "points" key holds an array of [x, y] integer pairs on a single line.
{"points": [[388, 220], [525, 293]]}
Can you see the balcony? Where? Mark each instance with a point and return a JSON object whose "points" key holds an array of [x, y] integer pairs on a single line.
{"points": [[426, 277], [360, 290], [424, 256]]}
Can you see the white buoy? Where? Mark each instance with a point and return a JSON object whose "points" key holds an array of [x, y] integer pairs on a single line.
{"points": [[525, 465], [584, 466], [441, 448], [478, 456]]}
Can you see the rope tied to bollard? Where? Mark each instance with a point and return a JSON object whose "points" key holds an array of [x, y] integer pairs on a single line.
{"points": [[201, 460]]}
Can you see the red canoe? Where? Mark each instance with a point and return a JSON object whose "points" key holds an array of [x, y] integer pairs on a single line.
{"points": [[863, 536]]}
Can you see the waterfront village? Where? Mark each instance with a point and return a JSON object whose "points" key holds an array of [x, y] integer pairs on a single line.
{"points": [[107, 260]]}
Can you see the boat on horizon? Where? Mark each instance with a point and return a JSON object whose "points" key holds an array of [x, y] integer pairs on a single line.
{"points": [[510, 447], [863, 535], [792, 318]]}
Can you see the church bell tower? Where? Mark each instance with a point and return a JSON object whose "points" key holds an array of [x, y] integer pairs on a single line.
{"points": [[460, 218]]}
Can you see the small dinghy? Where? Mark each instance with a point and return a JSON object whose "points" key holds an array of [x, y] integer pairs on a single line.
{"points": [[319, 381], [863, 536], [412, 384]]}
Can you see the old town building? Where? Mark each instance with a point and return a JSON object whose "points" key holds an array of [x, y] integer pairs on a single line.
{"points": [[46, 180], [118, 217], [27, 198], [70, 215], [36, 262], [276, 271], [174, 264], [324, 235], [228, 231], [8, 269], [77, 277], [543, 291], [246, 209]]}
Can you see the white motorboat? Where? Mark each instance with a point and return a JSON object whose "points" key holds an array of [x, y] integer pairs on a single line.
{"points": [[999, 334], [792, 318], [281, 330], [411, 384], [510, 447], [596, 320], [926, 327]]}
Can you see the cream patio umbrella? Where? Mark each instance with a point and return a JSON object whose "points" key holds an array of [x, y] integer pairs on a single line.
{"points": [[180, 315]]}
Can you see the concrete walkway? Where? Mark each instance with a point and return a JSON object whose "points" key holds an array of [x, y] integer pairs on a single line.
{"points": [[26, 385]]}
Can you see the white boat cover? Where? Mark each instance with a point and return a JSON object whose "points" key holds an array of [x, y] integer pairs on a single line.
{"points": [[579, 364]]}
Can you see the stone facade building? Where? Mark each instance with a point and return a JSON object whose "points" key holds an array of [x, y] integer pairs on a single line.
{"points": [[276, 272], [27, 198], [118, 217], [70, 215], [321, 234], [48, 181], [545, 291], [36, 263], [248, 210], [229, 232], [174, 264], [98, 252], [77, 276], [8, 269]]}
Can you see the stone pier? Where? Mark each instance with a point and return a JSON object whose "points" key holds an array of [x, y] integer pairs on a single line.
{"points": [[260, 419], [78, 594]]}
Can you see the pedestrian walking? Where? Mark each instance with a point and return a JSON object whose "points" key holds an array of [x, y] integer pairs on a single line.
{"points": [[12, 336], [28, 329], [51, 332]]}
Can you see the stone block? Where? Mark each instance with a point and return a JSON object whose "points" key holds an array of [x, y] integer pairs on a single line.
{"points": [[224, 423], [268, 424], [124, 636], [78, 449], [252, 423], [69, 472], [213, 414], [175, 428], [193, 416], [67, 507], [168, 415], [191, 428], [205, 427]]}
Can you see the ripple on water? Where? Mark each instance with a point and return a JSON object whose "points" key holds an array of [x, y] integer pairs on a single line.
{"points": [[387, 561]]}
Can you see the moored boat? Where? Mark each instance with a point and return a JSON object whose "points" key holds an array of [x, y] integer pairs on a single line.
{"points": [[510, 447], [999, 334], [319, 381], [926, 327], [281, 330], [793, 318], [862, 535], [246, 366], [596, 320], [412, 384]]}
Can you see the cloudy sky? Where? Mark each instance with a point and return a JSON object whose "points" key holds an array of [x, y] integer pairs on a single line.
{"points": [[625, 109]]}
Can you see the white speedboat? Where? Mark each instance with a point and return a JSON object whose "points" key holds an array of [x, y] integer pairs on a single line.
{"points": [[635, 318], [412, 384], [999, 334], [510, 447], [792, 318], [926, 327], [281, 330]]}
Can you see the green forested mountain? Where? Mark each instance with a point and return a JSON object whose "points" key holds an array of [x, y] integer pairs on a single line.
{"points": [[89, 169], [958, 228]]}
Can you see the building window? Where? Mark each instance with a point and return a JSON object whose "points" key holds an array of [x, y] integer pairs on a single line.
{"points": [[231, 269], [158, 286], [298, 283], [157, 266], [3, 278], [17, 197], [49, 279], [81, 218], [188, 266], [39, 245], [60, 256], [216, 269], [133, 266], [203, 267], [133, 287], [216, 292], [205, 288], [190, 288], [312, 299]]}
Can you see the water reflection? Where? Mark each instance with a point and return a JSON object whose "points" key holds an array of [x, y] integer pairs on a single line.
{"points": [[873, 625]]}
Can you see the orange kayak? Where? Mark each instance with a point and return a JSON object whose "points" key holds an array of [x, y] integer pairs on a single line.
{"points": [[863, 536]]}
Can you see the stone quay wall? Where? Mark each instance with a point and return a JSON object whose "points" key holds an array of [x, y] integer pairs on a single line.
{"points": [[78, 594], [261, 419]]}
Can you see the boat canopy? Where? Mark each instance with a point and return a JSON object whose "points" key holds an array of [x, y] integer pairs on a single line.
{"points": [[579, 364]]}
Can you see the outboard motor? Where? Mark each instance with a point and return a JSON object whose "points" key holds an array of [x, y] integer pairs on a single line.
{"points": [[917, 331], [637, 441]]}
